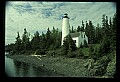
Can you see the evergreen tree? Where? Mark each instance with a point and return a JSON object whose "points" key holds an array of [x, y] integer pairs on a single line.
{"points": [[78, 29], [43, 41], [82, 27], [110, 23], [58, 39], [87, 29], [68, 43], [10, 47], [98, 35], [91, 51], [113, 32], [91, 36], [72, 30], [25, 40], [35, 42], [85, 44], [18, 44], [48, 38], [104, 46]]}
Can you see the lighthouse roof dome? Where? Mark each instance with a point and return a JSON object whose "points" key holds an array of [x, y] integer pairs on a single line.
{"points": [[65, 15]]}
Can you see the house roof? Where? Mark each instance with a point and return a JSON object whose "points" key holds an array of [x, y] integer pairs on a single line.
{"points": [[77, 34]]}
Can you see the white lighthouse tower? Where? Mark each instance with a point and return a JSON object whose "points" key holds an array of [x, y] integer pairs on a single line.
{"points": [[65, 27]]}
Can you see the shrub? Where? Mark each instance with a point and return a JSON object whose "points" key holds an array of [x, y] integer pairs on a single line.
{"points": [[91, 52], [40, 51], [70, 54], [51, 53], [111, 68], [81, 46], [63, 51], [79, 54], [85, 44], [100, 66]]}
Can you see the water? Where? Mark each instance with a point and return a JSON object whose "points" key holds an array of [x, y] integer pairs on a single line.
{"points": [[15, 68]]}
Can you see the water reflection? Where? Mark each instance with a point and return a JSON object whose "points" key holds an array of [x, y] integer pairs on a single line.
{"points": [[37, 71], [17, 67], [25, 68], [21, 69]]}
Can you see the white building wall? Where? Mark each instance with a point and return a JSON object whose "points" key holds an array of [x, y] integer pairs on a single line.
{"points": [[65, 28], [77, 41], [81, 39]]}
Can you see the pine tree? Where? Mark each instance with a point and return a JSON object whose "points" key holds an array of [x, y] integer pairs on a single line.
{"points": [[113, 33], [25, 40], [36, 41], [48, 38], [72, 30], [69, 44], [98, 35], [18, 43], [43, 41], [78, 29], [91, 36], [82, 27], [91, 51], [85, 44]]}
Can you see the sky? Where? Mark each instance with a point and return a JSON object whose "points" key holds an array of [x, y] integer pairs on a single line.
{"points": [[38, 16]]}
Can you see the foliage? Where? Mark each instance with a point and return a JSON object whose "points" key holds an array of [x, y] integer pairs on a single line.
{"points": [[80, 53], [25, 40], [91, 52], [104, 47], [100, 66], [85, 44], [98, 34], [111, 68], [90, 32], [40, 52], [78, 29], [51, 53], [81, 46], [68, 45], [70, 54], [35, 42], [82, 27], [9, 47]]}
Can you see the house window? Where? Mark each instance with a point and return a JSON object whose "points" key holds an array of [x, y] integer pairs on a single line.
{"points": [[74, 41]]}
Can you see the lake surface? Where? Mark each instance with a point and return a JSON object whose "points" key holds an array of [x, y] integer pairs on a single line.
{"points": [[15, 68]]}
